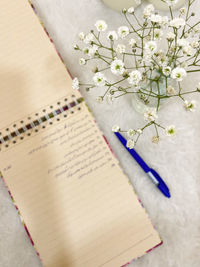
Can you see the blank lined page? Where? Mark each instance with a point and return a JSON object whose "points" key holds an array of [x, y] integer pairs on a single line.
{"points": [[31, 73]]}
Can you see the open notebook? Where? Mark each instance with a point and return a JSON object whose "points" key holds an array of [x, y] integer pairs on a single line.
{"points": [[78, 205]]}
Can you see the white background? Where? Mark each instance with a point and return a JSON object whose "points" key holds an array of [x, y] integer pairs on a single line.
{"points": [[178, 160]]}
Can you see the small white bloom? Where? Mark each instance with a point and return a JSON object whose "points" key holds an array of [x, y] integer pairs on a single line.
{"points": [[139, 131], [92, 50], [151, 46], [148, 10], [88, 38], [121, 48], [99, 99], [195, 44], [182, 11], [182, 43], [130, 143], [112, 35], [132, 42], [99, 79], [171, 2], [82, 61], [86, 50], [131, 10], [150, 114], [135, 77], [167, 70], [131, 133], [177, 22], [115, 128], [170, 90], [190, 105], [178, 74], [158, 34], [75, 83], [156, 18], [117, 67], [155, 139], [101, 25], [170, 36], [138, 2], [170, 130], [123, 31], [81, 36], [188, 50], [165, 20]]}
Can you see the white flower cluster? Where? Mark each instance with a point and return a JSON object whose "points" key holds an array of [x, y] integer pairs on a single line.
{"points": [[141, 58]]}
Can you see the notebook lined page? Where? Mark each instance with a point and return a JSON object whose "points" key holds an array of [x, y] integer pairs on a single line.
{"points": [[31, 73], [77, 204]]}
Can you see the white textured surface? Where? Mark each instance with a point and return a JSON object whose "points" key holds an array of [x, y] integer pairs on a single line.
{"points": [[178, 161]]}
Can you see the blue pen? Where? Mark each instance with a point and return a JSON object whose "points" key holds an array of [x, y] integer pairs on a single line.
{"points": [[152, 174]]}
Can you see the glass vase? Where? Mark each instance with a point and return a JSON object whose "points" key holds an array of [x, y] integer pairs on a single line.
{"points": [[142, 100]]}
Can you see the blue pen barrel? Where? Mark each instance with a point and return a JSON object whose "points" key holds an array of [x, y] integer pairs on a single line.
{"points": [[134, 154], [153, 175]]}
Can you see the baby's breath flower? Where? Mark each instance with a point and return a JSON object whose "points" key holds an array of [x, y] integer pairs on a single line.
{"points": [[150, 114], [182, 43], [155, 139], [156, 18], [131, 10], [130, 143], [195, 44], [170, 36], [132, 42], [188, 50], [82, 61], [167, 70], [88, 38], [81, 36], [170, 90], [101, 25], [123, 31], [148, 11], [117, 67], [76, 47], [165, 20], [112, 35], [171, 2], [177, 22], [75, 83], [131, 132], [135, 77], [158, 34], [171, 130], [115, 128], [138, 2], [99, 99], [121, 48], [139, 131], [182, 11], [190, 105], [92, 50], [178, 74], [99, 79], [151, 46]]}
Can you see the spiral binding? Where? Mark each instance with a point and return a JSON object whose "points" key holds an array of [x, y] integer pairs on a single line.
{"points": [[63, 106]]}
